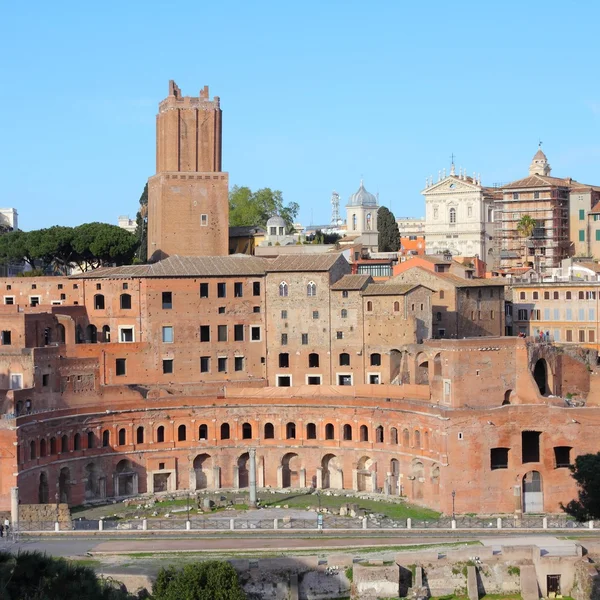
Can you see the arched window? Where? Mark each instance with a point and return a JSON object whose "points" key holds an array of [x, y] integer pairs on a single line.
{"points": [[77, 442], [311, 289], [105, 438], [369, 224], [122, 436], [246, 431], [61, 333], [452, 215], [396, 306], [393, 435], [99, 302], [369, 306], [347, 433], [344, 359], [181, 433], [91, 439], [64, 443], [139, 435], [417, 439], [313, 360], [353, 222], [311, 431], [269, 431], [125, 301], [32, 455], [283, 289], [344, 313], [203, 432], [160, 434], [290, 431], [405, 438], [42, 448], [426, 440], [106, 334], [438, 316], [329, 431], [379, 434], [225, 431], [52, 446], [364, 433], [375, 359]]}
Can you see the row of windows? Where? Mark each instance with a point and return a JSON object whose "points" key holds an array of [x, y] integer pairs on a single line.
{"points": [[499, 457], [535, 314], [284, 289], [223, 333], [582, 234], [313, 360], [168, 365], [555, 295], [42, 449]]}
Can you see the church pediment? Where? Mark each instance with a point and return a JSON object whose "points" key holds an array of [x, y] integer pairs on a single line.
{"points": [[451, 185]]}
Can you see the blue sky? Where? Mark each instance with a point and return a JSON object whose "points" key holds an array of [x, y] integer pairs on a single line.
{"points": [[314, 95]]}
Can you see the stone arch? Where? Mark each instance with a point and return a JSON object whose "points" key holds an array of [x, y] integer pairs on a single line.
{"points": [[533, 494], [395, 364], [329, 431], [243, 470], [125, 479], [405, 438], [422, 369], [290, 470], [542, 376], [42, 448], [182, 433], [364, 433], [106, 334], [507, 395], [437, 365], [269, 431], [393, 436], [43, 493], [62, 336], [332, 473], [91, 334], [203, 470], [246, 431], [347, 432], [203, 432], [364, 474], [417, 472], [64, 486]]}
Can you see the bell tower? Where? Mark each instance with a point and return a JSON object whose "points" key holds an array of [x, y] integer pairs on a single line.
{"points": [[188, 206]]}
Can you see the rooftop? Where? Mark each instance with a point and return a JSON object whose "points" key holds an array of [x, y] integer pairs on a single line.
{"points": [[389, 289], [316, 262], [352, 282]]}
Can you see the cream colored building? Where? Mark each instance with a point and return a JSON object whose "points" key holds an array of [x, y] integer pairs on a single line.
{"points": [[361, 215], [459, 215]]}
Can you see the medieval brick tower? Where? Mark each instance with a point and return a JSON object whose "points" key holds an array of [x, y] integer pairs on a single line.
{"points": [[188, 209]]}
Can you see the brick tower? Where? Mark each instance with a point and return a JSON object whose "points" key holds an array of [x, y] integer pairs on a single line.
{"points": [[188, 208]]}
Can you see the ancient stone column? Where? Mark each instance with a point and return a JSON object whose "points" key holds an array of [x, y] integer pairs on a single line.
{"points": [[252, 477]]}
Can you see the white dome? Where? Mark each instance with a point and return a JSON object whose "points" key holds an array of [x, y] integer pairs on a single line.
{"points": [[362, 197], [276, 221]]}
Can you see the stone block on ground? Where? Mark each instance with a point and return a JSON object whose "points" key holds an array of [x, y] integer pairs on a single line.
{"points": [[529, 586]]}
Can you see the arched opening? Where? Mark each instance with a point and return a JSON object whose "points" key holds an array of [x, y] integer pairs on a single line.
{"points": [[64, 486], [42, 448], [139, 435], [418, 474], [311, 431], [331, 471], [91, 439], [160, 434], [43, 494], [61, 333], [78, 335], [91, 334], [394, 476], [203, 432], [393, 436], [417, 439], [64, 444], [125, 479], [364, 433], [426, 440], [311, 289], [329, 431], [77, 442], [422, 375], [540, 374], [106, 334], [344, 359], [283, 289], [506, 400], [313, 360], [437, 365], [347, 432], [122, 436], [269, 431], [246, 431], [396, 306], [405, 438], [290, 431], [52, 446], [435, 480], [32, 452], [225, 431], [125, 301], [379, 434], [533, 495], [105, 438], [364, 477], [95, 486], [203, 471], [99, 302], [290, 468], [181, 433], [375, 359], [243, 472]]}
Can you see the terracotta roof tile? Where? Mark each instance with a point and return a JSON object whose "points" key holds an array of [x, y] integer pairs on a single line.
{"points": [[389, 289], [352, 282], [298, 263], [534, 181]]}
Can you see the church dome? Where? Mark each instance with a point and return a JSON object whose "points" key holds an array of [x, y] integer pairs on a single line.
{"points": [[362, 197]]}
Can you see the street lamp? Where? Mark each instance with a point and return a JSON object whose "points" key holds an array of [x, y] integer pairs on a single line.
{"points": [[453, 496]]}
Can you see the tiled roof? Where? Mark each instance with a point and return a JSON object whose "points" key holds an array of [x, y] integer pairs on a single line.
{"points": [[318, 262], [459, 282], [185, 266], [388, 289], [592, 266], [534, 181], [352, 282], [246, 230]]}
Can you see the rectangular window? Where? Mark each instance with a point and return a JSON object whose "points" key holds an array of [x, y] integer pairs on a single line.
{"points": [[121, 366], [34, 300], [167, 334], [304, 339], [256, 309], [546, 314], [63, 296], [221, 290], [581, 314], [222, 333], [221, 310], [339, 335], [204, 290], [582, 235], [598, 235], [205, 333], [567, 295], [284, 381], [238, 333], [256, 288], [126, 334], [6, 338], [205, 364], [9, 299], [203, 220], [569, 335], [556, 314], [238, 363], [284, 339], [222, 362], [255, 333], [284, 360], [45, 380], [167, 365], [568, 314], [167, 300], [581, 214], [522, 314], [556, 334], [238, 289], [315, 314], [530, 446], [582, 335], [284, 314], [592, 336], [499, 458], [125, 286]]}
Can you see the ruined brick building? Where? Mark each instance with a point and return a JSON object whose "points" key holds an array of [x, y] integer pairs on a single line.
{"points": [[161, 377]]}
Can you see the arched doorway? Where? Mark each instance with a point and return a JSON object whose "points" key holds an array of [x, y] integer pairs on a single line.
{"points": [[437, 365], [64, 485], [395, 360], [43, 489], [243, 470], [435, 480], [203, 471], [417, 474], [364, 477], [422, 374], [126, 479], [91, 334], [533, 496], [394, 476], [540, 374], [290, 470], [506, 400], [333, 476]]}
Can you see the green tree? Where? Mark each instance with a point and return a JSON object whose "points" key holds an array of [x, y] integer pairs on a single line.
{"points": [[97, 244], [586, 472], [141, 230], [37, 576], [525, 228], [210, 580], [255, 208], [389, 234]]}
